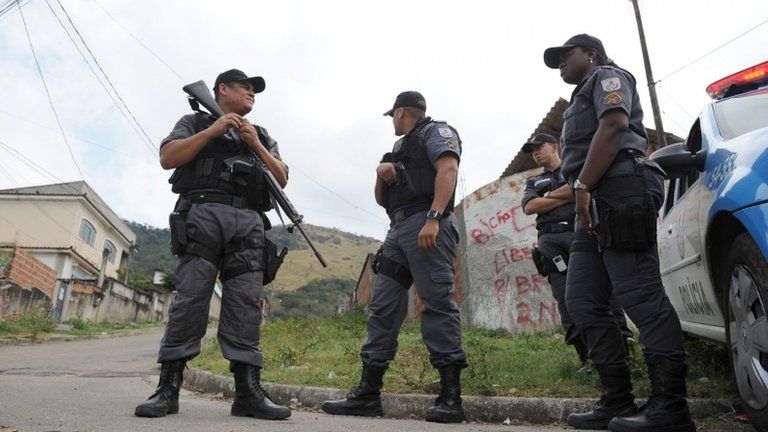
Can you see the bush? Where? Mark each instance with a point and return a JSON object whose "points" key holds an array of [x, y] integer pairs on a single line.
{"points": [[33, 321]]}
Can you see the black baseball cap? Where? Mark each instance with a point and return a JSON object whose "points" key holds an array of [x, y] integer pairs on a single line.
{"points": [[538, 140], [233, 75], [411, 99], [552, 55]]}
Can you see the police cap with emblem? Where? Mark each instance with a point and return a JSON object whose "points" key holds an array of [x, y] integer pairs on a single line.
{"points": [[411, 99], [538, 140], [552, 55], [236, 75]]}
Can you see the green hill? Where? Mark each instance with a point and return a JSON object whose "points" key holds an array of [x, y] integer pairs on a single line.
{"points": [[345, 253]]}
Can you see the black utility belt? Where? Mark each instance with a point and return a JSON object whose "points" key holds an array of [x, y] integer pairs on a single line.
{"points": [[218, 198], [627, 154], [404, 212], [555, 227]]}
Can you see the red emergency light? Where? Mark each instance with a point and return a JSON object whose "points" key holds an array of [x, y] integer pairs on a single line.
{"points": [[748, 78]]}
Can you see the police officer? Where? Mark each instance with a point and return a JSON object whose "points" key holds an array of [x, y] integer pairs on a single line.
{"points": [[551, 198], [618, 193], [218, 228], [415, 183]]}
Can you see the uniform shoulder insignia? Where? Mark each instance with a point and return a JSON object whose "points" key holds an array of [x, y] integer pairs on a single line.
{"points": [[611, 84], [613, 98], [445, 132], [450, 143]]}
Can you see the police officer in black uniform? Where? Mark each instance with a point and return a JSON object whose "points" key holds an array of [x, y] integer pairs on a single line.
{"points": [[218, 229], [618, 193], [551, 198], [415, 183]]}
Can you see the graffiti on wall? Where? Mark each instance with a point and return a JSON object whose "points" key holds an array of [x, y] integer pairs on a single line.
{"points": [[505, 291]]}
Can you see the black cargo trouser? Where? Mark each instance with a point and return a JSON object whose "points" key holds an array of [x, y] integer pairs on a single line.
{"points": [[240, 317], [632, 276]]}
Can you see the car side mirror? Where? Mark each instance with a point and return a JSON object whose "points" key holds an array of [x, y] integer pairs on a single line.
{"points": [[676, 160]]}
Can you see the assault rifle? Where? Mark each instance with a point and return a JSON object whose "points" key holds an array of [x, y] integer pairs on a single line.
{"points": [[200, 95]]}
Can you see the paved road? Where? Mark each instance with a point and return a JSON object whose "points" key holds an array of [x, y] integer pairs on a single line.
{"points": [[93, 385]]}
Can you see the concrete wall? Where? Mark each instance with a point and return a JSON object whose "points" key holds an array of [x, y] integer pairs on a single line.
{"points": [[501, 288], [16, 299], [118, 303]]}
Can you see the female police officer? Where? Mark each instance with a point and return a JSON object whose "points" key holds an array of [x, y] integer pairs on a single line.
{"points": [[618, 193]]}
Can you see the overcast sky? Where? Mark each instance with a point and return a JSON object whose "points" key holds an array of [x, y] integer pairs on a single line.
{"points": [[332, 68]]}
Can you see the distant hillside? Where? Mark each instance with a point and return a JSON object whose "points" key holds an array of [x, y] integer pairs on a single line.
{"points": [[345, 253]]}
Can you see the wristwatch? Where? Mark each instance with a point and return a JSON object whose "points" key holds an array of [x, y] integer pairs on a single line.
{"points": [[434, 214], [579, 185]]}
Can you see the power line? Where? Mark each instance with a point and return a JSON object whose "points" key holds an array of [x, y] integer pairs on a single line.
{"points": [[48, 93], [106, 77], [120, 108], [677, 103], [139, 41], [710, 52]]}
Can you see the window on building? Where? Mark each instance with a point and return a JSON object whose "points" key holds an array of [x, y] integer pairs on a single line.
{"points": [[108, 245], [87, 232]]}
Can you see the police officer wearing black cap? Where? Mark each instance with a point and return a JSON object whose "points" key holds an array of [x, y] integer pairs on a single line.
{"points": [[217, 228], [551, 198], [415, 183], [618, 192]]}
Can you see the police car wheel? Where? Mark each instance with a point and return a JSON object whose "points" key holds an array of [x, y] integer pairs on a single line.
{"points": [[746, 299]]}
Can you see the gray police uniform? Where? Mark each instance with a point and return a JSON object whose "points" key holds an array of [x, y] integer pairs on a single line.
{"points": [[555, 235], [622, 259], [224, 234], [431, 270]]}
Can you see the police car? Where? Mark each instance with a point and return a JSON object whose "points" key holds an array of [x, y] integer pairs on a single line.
{"points": [[713, 230]]}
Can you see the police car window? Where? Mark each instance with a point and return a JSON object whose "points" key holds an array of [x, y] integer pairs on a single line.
{"points": [[693, 143], [743, 114]]}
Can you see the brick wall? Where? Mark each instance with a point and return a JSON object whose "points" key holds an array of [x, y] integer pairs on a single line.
{"points": [[27, 271]]}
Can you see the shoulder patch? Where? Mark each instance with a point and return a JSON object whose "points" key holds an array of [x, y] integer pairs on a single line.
{"points": [[445, 132], [450, 143], [611, 84], [613, 98]]}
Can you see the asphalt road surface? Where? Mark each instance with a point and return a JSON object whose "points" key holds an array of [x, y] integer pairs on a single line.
{"points": [[94, 385]]}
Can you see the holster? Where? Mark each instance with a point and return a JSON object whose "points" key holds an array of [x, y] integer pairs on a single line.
{"points": [[400, 273], [177, 221], [538, 261], [272, 260]]}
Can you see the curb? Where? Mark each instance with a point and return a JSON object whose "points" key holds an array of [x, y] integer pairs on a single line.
{"points": [[479, 408]]}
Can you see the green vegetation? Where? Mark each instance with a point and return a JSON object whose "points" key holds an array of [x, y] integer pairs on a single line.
{"points": [[35, 323], [32, 323], [318, 298], [5, 261], [324, 352], [89, 328]]}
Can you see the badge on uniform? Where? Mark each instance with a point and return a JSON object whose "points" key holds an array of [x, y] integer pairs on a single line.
{"points": [[613, 98], [450, 143], [445, 132], [611, 84]]}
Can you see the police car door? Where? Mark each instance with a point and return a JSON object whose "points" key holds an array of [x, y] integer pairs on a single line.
{"points": [[683, 270]]}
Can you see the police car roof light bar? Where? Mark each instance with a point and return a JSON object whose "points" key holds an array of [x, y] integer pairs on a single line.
{"points": [[748, 79]]}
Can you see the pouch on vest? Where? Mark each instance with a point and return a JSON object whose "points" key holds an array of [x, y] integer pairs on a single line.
{"points": [[627, 225], [272, 260]]}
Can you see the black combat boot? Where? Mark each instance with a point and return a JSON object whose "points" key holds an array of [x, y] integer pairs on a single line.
{"points": [[617, 399], [250, 399], [165, 400], [365, 399], [447, 408], [667, 409]]}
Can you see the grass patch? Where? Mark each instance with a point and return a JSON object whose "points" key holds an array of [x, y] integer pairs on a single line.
{"points": [[324, 352], [33, 322], [87, 327]]}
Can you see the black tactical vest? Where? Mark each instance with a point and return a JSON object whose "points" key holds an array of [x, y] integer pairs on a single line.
{"points": [[416, 182], [212, 169]]}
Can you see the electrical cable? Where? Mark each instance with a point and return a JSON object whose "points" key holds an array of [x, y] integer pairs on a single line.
{"points": [[47, 92], [710, 52]]}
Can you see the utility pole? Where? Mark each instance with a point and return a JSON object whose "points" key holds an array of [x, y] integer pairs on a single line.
{"points": [[661, 137]]}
